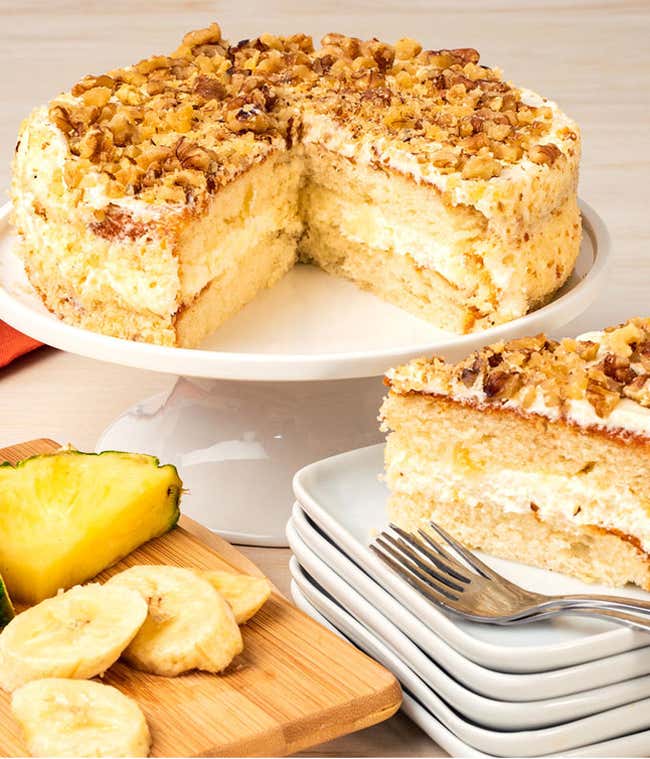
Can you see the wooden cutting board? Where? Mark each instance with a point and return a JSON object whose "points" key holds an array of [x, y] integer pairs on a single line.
{"points": [[295, 685]]}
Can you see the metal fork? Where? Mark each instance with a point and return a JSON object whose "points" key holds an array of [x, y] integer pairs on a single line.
{"points": [[477, 592]]}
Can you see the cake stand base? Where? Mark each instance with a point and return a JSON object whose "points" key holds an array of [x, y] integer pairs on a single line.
{"points": [[237, 445]]}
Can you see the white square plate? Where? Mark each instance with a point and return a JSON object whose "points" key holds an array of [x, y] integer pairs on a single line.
{"points": [[443, 668], [345, 497], [636, 744]]}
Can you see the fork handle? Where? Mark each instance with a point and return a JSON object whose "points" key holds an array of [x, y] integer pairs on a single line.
{"points": [[600, 602], [635, 621]]}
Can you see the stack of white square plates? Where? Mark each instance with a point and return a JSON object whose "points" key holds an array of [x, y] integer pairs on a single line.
{"points": [[570, 686]]}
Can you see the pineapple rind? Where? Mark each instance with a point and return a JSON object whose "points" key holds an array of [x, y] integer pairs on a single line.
{"points": [[7, 612]]}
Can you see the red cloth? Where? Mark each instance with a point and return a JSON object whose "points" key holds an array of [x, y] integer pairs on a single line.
{"points": [[14, 344]]}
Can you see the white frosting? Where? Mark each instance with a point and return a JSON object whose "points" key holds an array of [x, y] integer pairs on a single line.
{"points": [[628, 415], [39, 182], [93, 185], [95, 197]]}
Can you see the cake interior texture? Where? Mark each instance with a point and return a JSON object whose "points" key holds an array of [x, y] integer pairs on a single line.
{"points": [[538, 488], [401, 241], [155, 201]]}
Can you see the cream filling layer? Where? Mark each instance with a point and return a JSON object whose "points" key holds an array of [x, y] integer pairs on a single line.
{"points": [[42, 168], [212, 254], [379, 228], [564, 501]]}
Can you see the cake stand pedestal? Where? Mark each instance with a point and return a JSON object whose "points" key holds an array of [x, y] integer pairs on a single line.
{"points": [[237, 445], [294, 377]]}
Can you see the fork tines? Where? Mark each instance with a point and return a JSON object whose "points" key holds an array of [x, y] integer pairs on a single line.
{"points": [[425, 564], [422, 563]]}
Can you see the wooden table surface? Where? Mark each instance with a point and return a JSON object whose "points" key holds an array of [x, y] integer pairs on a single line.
{"points": [[592, 56]]}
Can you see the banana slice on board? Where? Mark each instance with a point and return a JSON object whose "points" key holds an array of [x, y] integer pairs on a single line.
{"points": [[245, 594], [189, 625], [79, 718], [76, 634]]}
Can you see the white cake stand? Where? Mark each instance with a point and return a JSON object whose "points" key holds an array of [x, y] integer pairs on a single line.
{"points": [[295, 377]]}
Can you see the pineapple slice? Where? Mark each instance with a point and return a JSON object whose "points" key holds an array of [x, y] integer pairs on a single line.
{"points": [[6, 607], [66, 516]]}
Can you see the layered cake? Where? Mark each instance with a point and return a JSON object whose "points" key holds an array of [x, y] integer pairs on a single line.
{"points": [[532, 450], [154, 201]]}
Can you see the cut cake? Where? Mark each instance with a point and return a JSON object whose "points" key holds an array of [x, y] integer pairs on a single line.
{"points": [[154, 201]]}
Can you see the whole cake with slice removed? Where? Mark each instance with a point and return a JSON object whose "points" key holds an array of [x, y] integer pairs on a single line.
{"points": [[155, 201], [533, 450]]}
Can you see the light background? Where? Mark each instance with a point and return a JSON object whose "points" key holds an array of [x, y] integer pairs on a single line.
{"points": [[592, 57]]}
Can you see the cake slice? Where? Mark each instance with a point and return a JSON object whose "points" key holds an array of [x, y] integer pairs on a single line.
{"points": [[532, 450]]}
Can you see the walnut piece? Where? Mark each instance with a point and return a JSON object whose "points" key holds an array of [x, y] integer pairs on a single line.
{"points": [[481, 167], [242, 117], [544, 154], [639, 390], [500, 385], [603, 398]]}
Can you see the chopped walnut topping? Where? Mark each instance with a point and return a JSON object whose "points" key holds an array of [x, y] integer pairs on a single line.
{"points": [[227, 105], [445, 157], [198, 40], [60, 116], [603, 395], [532, 370], [623, 340], [618, 368], [407, 48], [209, 89], [481, 167], [641, 355], [501, 384], [191, 156]]}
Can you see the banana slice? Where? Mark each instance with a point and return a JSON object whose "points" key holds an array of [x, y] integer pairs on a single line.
{"points": [[245, 594], [77, 634], [189, 625], [79, 718]]}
